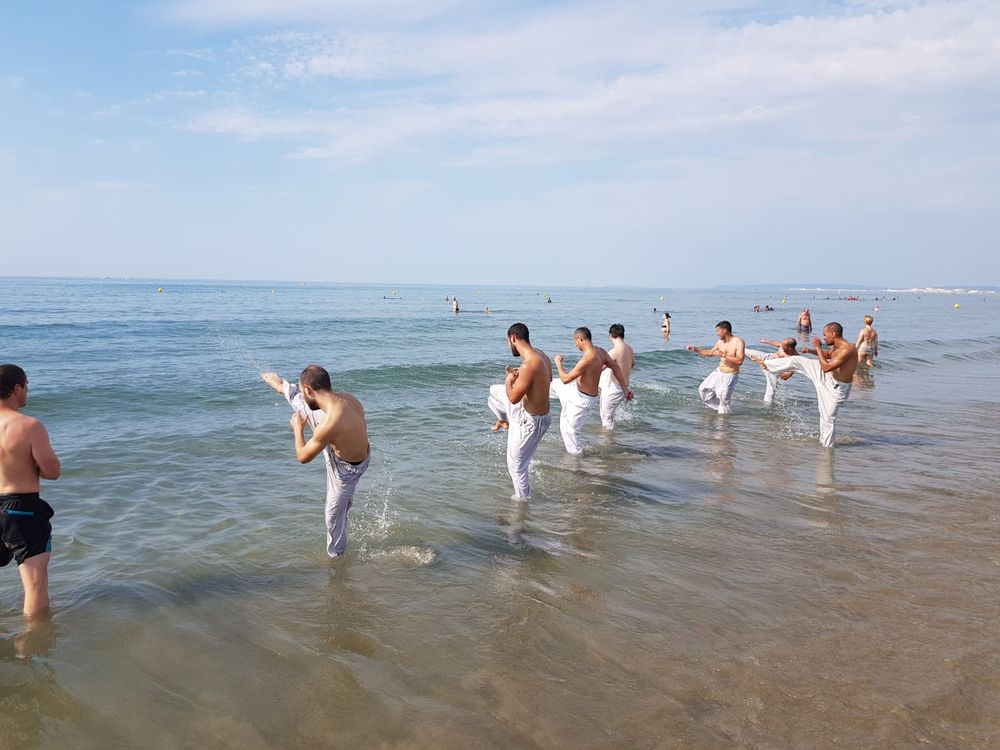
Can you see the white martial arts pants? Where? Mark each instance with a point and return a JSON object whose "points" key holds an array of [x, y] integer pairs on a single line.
{"points": [[341, 477], [524, 435], [574, 408], [717, 389], [612, 396], [830, 393], [770, 377]]}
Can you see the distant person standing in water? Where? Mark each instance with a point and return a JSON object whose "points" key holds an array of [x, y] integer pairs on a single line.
{"points": [[717, 389], [26, 456], [454, 304], [665, 325], [805, 323], [339, 432], [867, 343], [521, 406], [613, 391]]}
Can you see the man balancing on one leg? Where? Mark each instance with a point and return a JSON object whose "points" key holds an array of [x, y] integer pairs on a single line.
{"points": [[521, 405], [831, 374], [577, 397], [26, 456], [613, 391], [339, 432], [786, 348], [717, 389]]}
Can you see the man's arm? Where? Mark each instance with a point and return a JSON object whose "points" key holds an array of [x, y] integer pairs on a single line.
{"points": [[517, 383], [834, 359], [41, 451], [769, 342], [568, 377], [306, 451], [713, 352], [274, 380]]}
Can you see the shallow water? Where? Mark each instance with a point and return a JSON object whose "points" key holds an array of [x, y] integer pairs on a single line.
{"points": [[694, 581]]}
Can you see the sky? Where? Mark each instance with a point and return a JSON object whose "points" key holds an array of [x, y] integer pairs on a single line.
{"points": [[670, 143]]}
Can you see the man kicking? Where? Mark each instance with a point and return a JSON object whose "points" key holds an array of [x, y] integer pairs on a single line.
{"points": [[521, 405], [577, 390], [339, 432], [26, 456], [613, 391], [717, 389], [831, 374], [786, 348]]}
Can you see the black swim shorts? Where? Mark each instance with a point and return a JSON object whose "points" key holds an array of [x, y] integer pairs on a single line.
{"points": [[25, 530]]}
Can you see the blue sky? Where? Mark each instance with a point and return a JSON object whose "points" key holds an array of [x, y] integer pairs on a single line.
{"points": [[469, 141]]}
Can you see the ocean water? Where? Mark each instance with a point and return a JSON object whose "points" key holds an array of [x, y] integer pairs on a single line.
{"points": [[694, 581]]}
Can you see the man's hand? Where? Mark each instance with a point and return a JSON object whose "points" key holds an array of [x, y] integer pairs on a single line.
{"points": [[559, 360], [817, 344], [297, 422], [273, 379], [692, 348], [628, 394], [512, 373]]}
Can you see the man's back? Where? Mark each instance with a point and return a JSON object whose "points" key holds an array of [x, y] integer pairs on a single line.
{"points": [[624, 355], [344, 427], [18, 470], [591, 364], [538, 370]]}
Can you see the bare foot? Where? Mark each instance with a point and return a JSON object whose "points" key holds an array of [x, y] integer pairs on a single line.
{"points": [[500, 425]]}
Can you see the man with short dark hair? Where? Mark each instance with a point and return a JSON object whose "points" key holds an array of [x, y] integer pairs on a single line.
{"points": [[832, 374], [521, 405], [26, 457], [785, 348], [577, 397], [717, 389], [612, 391], [339, 432]]}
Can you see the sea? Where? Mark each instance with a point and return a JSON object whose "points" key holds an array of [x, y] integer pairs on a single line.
{"points": [[692, 581]]}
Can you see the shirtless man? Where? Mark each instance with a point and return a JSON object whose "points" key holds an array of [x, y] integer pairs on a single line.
{"points": [[339, 432], [521, 404], [577, 397], [717, 389], [786, 348], [613, 391], [831, 374], [867, 343], [26, 456]]}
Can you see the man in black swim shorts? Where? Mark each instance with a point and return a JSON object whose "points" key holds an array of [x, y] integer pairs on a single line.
{"points": [[26, 457]]}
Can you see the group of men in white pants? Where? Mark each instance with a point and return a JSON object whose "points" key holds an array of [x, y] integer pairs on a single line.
{"points": [[831, 373], [521, 402]]}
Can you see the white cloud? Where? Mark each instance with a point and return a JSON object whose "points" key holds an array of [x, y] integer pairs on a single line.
{"points": [[245, 12], [10, 83]]}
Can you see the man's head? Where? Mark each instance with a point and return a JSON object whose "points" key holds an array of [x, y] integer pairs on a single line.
{"points": [[515, 334], [788, 346], [582, 338], [869, 320], [617, 331], [13, 385], [832, 332], [312, 380], [724, 329]]}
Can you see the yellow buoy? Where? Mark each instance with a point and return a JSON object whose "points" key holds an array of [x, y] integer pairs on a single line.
{"points": [[160, 291], [783, 301], [956, 305]]}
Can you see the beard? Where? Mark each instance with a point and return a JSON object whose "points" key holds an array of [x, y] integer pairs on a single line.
{"points": [[310, 402], [514, 351]]}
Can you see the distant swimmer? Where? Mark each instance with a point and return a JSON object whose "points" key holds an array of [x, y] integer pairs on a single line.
{"points": [[521, 405], [665, 325], [831, 374], [786, 348], [578, 389], [717, 389], [486, 309], [867, 343], [805, 323], [614, 391], [454, 304], [26, 457], [339, 432]]}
